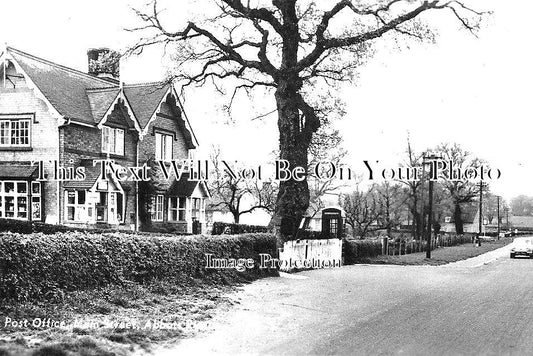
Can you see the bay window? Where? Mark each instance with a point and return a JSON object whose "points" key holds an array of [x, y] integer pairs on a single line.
{"points": [[14, 200]]}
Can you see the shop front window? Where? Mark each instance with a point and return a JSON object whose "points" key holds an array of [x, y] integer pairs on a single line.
{"points": [[14, 203]]}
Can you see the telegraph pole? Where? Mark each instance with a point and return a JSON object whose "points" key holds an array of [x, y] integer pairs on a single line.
{"points": [[431, 158], [480, 212], [430, 218], [498, 199]]}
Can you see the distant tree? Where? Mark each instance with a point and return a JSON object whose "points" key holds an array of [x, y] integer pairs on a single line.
{"points": [[460, 190], [238, 195], [363, 211], [327, 146], [522, 205], [392, 198], [414, 190], [490, 208]]}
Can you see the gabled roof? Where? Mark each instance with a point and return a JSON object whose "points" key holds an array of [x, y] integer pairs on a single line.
{"points": [[100, 100], [87, 99], [185, 187], [91, 176], [145, 99], [64, 88]]}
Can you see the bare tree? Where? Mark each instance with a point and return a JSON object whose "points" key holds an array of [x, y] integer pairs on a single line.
{"points": [[238, 195], [326, 147], [363, 211], [522, 205], [391, 201], [293, 49], [460, 189], [414, 191]]}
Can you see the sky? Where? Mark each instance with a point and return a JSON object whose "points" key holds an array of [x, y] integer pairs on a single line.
{"points": [[474, 91]]}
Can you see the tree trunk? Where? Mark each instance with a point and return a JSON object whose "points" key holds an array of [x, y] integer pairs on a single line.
{"points": [[294, 139], [236, 217], [458, 218]]}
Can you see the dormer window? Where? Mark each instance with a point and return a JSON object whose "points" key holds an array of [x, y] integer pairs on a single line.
{"points": [[15, 132], [112, 140], [163, 146]]}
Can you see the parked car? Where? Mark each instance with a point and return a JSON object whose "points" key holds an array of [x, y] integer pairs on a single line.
{"points": [[522, 246]]}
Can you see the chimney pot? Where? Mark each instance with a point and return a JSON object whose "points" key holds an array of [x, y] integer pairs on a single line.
{"points": [[104, 63]]}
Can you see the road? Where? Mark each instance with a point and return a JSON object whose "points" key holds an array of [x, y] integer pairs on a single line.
{"points": [[482, 306]]}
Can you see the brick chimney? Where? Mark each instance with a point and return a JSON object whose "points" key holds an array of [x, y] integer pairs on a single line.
{"points": [[104, 63]]}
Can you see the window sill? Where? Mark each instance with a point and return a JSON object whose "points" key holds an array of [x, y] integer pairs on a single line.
{"points": [[14, 148], [111, 155]]}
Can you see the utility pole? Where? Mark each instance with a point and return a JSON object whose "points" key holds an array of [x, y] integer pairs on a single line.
{"points": [[430, 219], [480, 212], [432, 161], [498, 200]]}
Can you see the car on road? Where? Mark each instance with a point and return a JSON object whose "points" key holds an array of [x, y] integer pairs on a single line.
{"points": [[522, 246]]}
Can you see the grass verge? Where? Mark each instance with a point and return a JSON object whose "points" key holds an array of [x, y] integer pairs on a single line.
{"points": [[125, 320], [439, 256]]}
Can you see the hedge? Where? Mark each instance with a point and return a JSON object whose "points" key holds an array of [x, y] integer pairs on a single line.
{"points": [[220, 228], [354, 249], [37, 266], [28, 227]]}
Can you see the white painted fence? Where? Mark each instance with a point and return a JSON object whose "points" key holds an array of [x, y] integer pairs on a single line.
{"points": [[311, 254]]}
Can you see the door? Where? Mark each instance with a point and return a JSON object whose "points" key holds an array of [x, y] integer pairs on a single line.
{"points": [[331, 223]]}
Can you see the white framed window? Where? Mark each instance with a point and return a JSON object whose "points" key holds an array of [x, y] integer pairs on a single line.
{"points": [[197, 209], [163, 146], [112, 140], [76, 206], [36, 201], [176, 208], [15, 132], [157, 207], [14, 200]]}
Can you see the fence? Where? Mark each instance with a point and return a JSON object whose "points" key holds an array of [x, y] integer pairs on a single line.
{"points": [[404, 248], [311, 254], [354, 250]]}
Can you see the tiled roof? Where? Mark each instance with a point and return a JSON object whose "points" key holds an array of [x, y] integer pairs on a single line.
{"points": [[183, 187], [86, 98], [65, 88], [17, 171], [144, 99], [100, 101], [91, 175]]}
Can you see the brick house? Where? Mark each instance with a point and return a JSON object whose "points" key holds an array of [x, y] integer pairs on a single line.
{"points": [[76, 124]]}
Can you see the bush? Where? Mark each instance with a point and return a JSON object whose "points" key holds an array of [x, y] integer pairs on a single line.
{"points": [[220, 228], [28, 227], [46, 266], [355, 249]]}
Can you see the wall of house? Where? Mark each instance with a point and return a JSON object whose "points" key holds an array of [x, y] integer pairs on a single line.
{"points": [[147, 146], [18, 98], [82, 145]]}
